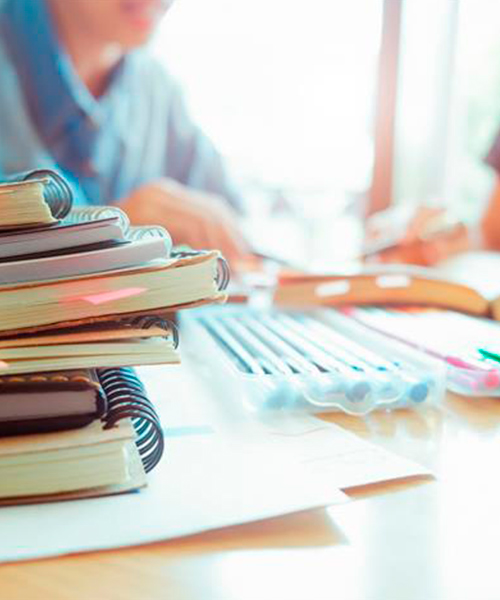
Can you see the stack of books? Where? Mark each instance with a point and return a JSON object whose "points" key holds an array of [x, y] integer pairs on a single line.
{"points": [[84, 297]]}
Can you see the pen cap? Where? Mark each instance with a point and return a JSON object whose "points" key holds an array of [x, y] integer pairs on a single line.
{"points": [[56, 192]]}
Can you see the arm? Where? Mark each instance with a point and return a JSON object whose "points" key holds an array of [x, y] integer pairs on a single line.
{"points": [[201, 220], [489, 229], [191, 194]]}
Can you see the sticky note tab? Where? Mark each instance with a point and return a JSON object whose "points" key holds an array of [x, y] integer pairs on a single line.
{"points": [[112, 296], [333, 288], [393, 281], [3, 365]]}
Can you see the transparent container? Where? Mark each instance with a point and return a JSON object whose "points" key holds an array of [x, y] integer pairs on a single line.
{"points": [[446, 337], [288, 360]]}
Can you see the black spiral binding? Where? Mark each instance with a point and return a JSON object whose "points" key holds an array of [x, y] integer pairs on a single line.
{"points": [[127, 399], [223, 272], [147, 321]]}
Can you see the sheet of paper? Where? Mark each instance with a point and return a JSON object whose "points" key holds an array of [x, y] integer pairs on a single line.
{"points": [[220, 468], [320, 447], [207, 480], [336, 454]]}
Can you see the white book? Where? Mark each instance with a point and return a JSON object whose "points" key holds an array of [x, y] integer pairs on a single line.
{"points": [[40, 240], [127, 255]]}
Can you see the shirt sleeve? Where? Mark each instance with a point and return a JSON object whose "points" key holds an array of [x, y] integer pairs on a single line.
{"points": [[192, 158], [492, 158]]}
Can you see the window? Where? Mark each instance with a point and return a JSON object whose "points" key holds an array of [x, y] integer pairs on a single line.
{"points": [[448, 102], [475, 106], [285, 89]]}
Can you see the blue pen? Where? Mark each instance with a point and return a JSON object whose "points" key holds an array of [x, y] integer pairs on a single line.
{"points": [[354, 383], [416, 387]]}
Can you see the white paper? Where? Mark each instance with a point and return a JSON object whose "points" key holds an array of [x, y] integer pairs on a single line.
{"points": [[338, 455], [319, 447], [203, 483], [219, 469]]}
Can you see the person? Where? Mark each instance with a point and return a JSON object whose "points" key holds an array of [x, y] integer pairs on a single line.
{"points": [[80, 94], [431, 234]]}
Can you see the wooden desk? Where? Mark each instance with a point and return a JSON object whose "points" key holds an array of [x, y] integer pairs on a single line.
{"points": [[424, 541]]}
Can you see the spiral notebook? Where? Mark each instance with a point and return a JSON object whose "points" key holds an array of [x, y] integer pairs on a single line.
{"points": [[120, 442], [103, 269], [90, 241], [145, 340], [37, 220]]}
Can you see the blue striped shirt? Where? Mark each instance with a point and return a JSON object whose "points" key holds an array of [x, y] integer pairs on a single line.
{"points": [[139, 130]]}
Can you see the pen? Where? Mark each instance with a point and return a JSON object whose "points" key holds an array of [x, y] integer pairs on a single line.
{"points": [[335, 377], [283, 262], [356, 385], [402, 380], [441, 225], [489, 355], [257, 348], [234, 349], [385, 375], [288, 352], [471, 370]]}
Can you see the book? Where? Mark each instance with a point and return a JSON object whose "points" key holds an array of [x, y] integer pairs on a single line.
{"points": [[145, 341], [389, 284], [37, 403], [66, 237], [23, 204], [37, 220], [83, 262], [38, 197], [110, 455], [178, 282], [89, 240]]}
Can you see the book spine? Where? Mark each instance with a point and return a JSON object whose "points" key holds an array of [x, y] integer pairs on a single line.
{"points": [[127, 399]]}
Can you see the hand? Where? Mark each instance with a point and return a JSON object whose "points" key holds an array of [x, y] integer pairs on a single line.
{"points": [[423, 236], [203, 221]]}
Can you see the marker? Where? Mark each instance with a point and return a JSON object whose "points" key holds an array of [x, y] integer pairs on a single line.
{"points": [[477, 369]]}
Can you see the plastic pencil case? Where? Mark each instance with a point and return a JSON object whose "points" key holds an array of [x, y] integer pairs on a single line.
{"points": [[460, 377], [286, 360]]}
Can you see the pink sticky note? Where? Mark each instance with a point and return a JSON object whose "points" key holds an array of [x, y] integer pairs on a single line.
{"points": [[104, 297], [3, 365]]}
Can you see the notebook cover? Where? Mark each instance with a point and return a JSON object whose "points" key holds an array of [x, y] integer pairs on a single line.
{"points": [[47, 383], [119, 395], [64, 251]]}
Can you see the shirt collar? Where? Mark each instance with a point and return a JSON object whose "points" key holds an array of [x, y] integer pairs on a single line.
{"points": [[57, 99]]}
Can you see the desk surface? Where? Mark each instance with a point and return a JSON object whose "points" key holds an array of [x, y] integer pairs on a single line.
{"points": [[405, 541]]}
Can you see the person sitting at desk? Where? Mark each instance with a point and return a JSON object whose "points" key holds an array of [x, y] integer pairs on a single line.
{"points": [[432, 234], [79, 94]]}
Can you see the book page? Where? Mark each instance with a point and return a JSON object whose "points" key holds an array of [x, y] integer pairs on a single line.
{"points": [[86, 436]]}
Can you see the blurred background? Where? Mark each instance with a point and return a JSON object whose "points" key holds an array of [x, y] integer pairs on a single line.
{"points": [[330, 110]]}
